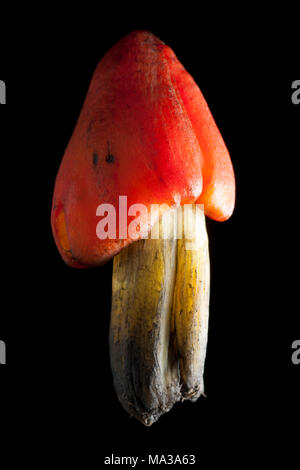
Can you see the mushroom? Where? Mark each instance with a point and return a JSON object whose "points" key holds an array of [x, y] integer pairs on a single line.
{"points": [[146, 156]]}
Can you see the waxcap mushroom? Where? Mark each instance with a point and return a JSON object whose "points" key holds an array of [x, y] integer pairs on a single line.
{"points": [[146, 136], [134, 138]]}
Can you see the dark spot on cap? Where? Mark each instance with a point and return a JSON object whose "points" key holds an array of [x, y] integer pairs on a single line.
{"points": [[90, 126], [110, 158], [95, 158]]}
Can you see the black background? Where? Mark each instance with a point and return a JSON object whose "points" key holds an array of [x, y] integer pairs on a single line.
{"points": [[55, 320]]}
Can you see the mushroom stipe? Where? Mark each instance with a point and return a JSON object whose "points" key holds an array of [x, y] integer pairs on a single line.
{"points": [[159, 320], [144, 108]]}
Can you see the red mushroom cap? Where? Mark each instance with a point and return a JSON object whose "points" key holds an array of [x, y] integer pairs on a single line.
{"points": [[134, 138], [218, 194], [145, 132]]}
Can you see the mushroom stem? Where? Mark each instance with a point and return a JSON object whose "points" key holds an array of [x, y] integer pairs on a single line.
{"points": [[159, 318]]}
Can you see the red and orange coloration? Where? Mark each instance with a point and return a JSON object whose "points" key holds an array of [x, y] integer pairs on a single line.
{"points": [[145, 131]]}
